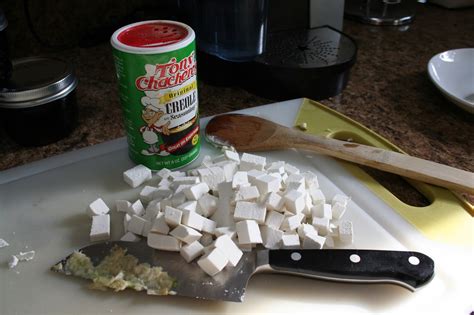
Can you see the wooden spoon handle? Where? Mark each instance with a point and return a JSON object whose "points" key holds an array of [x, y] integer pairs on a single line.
{"points": [[389, 161]]}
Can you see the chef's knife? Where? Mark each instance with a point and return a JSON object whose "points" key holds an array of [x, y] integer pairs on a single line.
{"points": [[408, 269]]}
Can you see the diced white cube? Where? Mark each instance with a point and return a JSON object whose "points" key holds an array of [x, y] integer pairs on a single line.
{"points": [[136, 208], [321, 225], [290, 241], [346, 232], [136, 225], [322, 210], [185, 234], [100, 228], [193, 220], [97, 207], [334, 230], [212, 176], [338, 210], [196, 191], [147, 228], [176, 174], [122, 205], [252, 175], [277, 176], [291, 223], [313, 241], [137, 175], [308, 204], [290, 169], [311, 179], [232, 156], [246, 193], [267, 183], [146, 194], [130, 237], [225, 230], [173, 216], [295, 178], [126, 218], [159, 225], [162, 192], [206, 239], [294, 201], [163, 242], [167, 202], [207, 205], [305, 229], [178, 199], [152, 210], [188, 205], [207, 161], [181, 188], [209, 226], [295, 186], [191, 251], [229, 248], [229, 168], [274, 202], [164, 183], [251, 161], [274, 219], [240, 179], [276, 167], [213, 262], [316, 195], [271, 238], [329, 243], [223, 215], [164, 173], [245, 210], [186, 180], [248, 232]]}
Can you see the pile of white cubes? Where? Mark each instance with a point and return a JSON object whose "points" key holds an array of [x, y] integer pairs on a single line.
{"points": [[228, 205]]}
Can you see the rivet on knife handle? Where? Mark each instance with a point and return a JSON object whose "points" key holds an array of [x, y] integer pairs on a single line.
{"points": [[409, 269]]}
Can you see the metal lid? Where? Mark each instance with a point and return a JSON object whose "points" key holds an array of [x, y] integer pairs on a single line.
{"points": [[3, 20], [36, 81]]}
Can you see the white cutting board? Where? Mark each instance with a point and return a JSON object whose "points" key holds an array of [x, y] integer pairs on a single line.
{"points": [[42, 208]]}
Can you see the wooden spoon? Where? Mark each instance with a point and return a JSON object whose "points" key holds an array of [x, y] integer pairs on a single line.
{"points": [[250, 133]]}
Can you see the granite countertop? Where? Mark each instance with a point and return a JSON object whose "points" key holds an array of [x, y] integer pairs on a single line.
{"points": [[389, 92]]}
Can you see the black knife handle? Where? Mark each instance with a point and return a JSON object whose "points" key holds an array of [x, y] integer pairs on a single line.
{"points": [[409, 269]]}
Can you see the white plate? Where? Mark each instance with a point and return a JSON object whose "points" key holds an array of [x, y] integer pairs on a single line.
{"points": [[452, 72]]}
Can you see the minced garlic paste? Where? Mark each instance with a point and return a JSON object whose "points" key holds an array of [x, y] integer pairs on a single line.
{"points": [[118, 271]]}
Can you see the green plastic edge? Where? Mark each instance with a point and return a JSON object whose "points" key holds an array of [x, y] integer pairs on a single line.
{"points": [[445, 220]]}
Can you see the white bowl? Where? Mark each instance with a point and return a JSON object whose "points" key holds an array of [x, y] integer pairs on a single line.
{"points": [[452, 72]]}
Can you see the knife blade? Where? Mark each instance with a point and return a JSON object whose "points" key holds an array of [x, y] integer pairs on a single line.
{"points": [[411, 270]]}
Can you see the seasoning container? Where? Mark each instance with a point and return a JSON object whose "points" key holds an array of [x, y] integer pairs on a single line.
{"points": [[156, 69], [38, 104]]}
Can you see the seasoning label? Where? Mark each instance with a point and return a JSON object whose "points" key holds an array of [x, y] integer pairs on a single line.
{"points": [[159, 97]]}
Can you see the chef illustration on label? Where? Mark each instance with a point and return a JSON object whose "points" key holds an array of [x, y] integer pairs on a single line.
{"points": [[156, 123]]}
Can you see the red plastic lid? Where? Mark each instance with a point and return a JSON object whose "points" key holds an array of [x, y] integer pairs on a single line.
{"points": [[153, 34]]}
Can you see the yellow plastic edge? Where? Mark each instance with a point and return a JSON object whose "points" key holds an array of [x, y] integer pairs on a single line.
{"points": [[445, 220]]}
